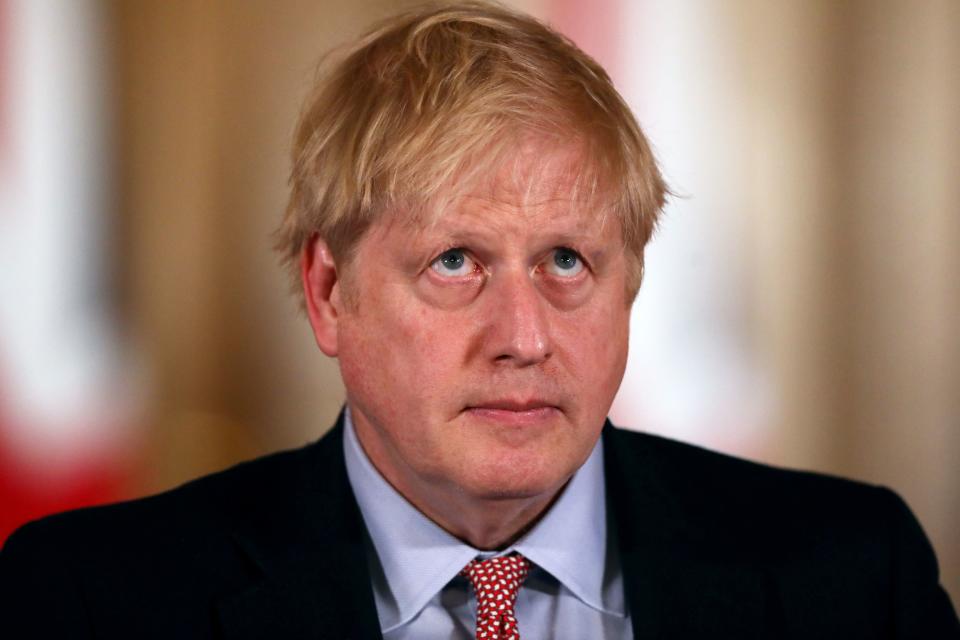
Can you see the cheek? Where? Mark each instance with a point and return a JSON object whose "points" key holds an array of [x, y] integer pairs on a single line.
{"points": [[595, 339], [595, 333], [402, 350]]}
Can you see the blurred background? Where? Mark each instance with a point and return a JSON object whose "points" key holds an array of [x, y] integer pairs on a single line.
{"points": [[802, 299]]}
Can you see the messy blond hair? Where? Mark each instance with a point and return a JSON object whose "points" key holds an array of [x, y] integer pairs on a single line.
{"points": [[431, 98]]}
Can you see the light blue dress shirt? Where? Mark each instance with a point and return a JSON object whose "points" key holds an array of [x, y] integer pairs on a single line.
{"points": [[575, 590]]}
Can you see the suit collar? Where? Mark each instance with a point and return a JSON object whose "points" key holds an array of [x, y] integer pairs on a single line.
{"points": [[679, 581], [307, 553]]}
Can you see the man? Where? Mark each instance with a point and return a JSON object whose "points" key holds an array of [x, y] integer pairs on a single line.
{"points": [[470, 203]]}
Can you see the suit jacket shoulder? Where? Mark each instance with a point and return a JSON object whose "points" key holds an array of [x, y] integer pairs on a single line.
{"points": [[761, 551], [272, 547]]}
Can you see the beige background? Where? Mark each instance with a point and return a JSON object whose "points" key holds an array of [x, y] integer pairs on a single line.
{"points": [[851, 134]]}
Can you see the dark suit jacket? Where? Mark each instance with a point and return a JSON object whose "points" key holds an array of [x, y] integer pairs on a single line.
{"points": [[711, 546]]}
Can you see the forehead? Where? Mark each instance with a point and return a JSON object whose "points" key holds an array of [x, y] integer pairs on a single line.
{"points": [[534, 172], [538, 180]]}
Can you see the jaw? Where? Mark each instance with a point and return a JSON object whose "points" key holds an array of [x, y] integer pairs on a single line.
{"points": [[488, 490], [491, 517]]}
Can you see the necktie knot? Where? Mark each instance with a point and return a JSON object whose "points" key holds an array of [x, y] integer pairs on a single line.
{"points": [[496, 582]]}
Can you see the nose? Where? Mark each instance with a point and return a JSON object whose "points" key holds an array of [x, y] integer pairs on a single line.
{"points": [[519, 321]]}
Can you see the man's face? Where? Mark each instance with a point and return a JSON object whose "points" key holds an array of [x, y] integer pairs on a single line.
{"points": [[482, 352]]}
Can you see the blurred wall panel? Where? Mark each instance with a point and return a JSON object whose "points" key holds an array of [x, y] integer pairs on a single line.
{"points": [[792, 52], [859, 206], [695, 370], [903, 199], [169, 89]]}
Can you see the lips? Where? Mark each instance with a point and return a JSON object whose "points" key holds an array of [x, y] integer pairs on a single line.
{"points": [[514, 405], [514, 412]]}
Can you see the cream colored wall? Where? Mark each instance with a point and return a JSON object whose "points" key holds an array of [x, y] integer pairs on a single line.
{"points": [[853, 206]]}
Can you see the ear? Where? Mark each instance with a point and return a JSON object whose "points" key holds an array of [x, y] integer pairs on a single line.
{"points": [[321, 288]]}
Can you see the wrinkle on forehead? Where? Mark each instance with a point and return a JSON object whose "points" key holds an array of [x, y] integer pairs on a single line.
{"points": [[535, 174], [532, 178]]}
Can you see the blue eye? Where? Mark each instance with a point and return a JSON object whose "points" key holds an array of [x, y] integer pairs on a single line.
{"points": [[453, 263], [565, 263]]}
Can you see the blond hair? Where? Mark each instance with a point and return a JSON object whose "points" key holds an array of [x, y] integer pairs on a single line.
{"points": [[432, 97]]}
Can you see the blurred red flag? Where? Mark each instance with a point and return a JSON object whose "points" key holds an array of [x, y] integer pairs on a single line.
{"points": [[67, 426]]}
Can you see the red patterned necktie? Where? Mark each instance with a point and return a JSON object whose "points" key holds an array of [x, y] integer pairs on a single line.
{"points": [[496, 582]]}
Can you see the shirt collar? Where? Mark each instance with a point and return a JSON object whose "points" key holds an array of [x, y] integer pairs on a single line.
{"points": [[570, 541], [418, 558]]}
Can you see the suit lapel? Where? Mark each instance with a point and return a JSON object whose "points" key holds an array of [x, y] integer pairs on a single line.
{"points": [[308, 553], [678, 582]]}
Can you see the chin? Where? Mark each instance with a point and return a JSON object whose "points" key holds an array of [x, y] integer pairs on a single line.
{"points": [[513, 483]]}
